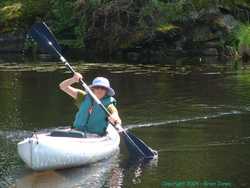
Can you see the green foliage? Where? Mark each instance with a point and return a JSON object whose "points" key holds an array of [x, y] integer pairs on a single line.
{"points": [[34, 10], [161, 13], [243, 35], [69, 19], [238, 40], [62, 13], [18, 14], [179, 10], [9, 14], [166, 27], [174, 11]]}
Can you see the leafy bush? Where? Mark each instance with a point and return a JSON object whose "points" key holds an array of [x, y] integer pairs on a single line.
{"points": [[16, 15], [9, 15], [243, 35]]}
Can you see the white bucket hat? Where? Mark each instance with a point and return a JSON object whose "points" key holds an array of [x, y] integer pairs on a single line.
{"points": [[103, 82]]}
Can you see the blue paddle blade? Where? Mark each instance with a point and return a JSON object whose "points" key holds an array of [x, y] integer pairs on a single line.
{"points": [[41, 33], [137, 146]]}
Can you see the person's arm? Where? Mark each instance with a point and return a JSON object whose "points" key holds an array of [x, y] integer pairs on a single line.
{"points": [[114, 117], [67, 88]]}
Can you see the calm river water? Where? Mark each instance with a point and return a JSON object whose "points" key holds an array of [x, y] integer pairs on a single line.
{"points": [[197, 117]]}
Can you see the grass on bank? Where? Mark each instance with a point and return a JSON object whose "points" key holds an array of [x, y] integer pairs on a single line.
{"points": [[243, 35]]}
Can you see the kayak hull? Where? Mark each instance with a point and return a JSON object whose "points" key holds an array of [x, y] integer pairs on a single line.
{"points": [[44, 152]]}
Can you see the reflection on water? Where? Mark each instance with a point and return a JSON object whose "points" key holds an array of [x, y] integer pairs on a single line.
{"points": [[107, 173], [88, 176], [197, 117]]}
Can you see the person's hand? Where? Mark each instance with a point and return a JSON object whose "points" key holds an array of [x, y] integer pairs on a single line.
{"points": [[114, 119], [119, 128], [77, 77]]}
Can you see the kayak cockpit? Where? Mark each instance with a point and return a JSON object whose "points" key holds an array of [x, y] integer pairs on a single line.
{"points": [[68, 133], [72, 133]]}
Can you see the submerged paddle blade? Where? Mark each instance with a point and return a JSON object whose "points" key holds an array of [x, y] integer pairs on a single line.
{"points": [[45, 38], [135, 145]]}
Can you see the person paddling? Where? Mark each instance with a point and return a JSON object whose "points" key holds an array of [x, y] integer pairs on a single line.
{"points": [[90, 118]]}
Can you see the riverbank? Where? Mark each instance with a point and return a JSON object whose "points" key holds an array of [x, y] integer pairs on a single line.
{"points": [[150, 31]]}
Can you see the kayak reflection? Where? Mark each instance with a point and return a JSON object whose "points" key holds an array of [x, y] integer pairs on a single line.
{"points": [[93, 175]]}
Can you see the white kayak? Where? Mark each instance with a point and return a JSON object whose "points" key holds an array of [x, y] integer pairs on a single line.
{"points": [[65, 148]]}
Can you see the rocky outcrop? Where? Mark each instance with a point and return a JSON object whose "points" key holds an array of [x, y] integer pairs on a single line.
{"points": [[115, 32], [206, 36]]}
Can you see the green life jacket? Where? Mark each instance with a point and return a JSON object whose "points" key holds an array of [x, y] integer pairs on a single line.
{"points": [[91, 117]]}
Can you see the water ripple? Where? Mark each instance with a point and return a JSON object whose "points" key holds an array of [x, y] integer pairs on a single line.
{"points": [[220, 114]]}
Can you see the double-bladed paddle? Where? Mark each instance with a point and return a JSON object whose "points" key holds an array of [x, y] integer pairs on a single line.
{"points": [[41, 33]]}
